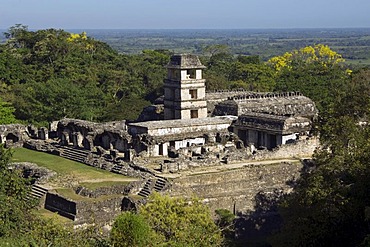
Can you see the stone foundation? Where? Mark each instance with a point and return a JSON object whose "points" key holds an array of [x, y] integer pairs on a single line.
{"points": [[236, 190]]}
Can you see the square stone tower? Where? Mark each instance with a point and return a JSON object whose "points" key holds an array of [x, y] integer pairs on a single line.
{"points": [[184, 88]]}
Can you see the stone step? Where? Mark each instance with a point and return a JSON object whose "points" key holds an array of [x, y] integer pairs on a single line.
{"points": [[161, 182], [144, 193], [66, 152], [117, 168], [73, 153], [76, 156], [146, 190], [72, 149], [36, 192], [157, 189]]}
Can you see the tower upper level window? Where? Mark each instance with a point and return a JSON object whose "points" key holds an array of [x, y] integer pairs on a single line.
{"points": [[190, 74], [193, 93]]}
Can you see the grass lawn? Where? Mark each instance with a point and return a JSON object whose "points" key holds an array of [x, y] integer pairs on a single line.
{"points": [[54, 216], [63, 166]]}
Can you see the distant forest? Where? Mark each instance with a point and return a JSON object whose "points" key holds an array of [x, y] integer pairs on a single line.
{"points": [[353, 44]]}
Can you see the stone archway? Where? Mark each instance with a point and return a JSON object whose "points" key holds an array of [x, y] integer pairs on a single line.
{"points": [[12, 137]]}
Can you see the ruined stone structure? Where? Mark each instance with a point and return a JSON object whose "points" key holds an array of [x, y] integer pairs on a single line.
{"points": [[184, 89], [186, 129], [14, 135], [92, 136], [269, 119], [159, 138]]}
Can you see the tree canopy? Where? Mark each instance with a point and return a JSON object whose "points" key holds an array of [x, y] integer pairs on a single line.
{"points": [[50, 74], [330, 204], [181, 222]]}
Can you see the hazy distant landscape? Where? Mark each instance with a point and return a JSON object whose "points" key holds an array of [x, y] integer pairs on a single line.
{"points": [[353, 44]]}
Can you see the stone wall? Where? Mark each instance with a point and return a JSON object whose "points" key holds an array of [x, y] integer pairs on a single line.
{"points": [[102, 191], [298, 149], [38, 174], [236, 189], [62, 206], [102, 210], [14, 135]]}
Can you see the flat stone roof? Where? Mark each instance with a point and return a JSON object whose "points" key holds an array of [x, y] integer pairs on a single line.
{"points": [[178, 123], [253, 115]]}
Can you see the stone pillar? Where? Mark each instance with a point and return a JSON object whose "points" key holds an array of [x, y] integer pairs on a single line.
{"points": [[75, 139], [43, 133], [64, 138], [130, 154]]}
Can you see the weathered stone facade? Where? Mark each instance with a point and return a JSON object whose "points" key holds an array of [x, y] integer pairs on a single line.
{"points": [[14, 135], [158, 138], [90, 135], [184, 89], [236, 189]]}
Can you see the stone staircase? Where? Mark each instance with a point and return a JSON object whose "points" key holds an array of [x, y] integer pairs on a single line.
{"points": [[36, 193], [146, 190], [117, 169], [159, 185], [74, 154], [154, 184]]}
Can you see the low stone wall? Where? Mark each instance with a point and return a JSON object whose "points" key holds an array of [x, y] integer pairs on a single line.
{"points": [[236, 190], [101, 210], [298, 149], [38, 174], [62, 206], [102, 191]]}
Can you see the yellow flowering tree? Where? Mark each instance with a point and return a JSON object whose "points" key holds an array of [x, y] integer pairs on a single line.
{"points": [[316, 71], [318, 54], [81, 39]]}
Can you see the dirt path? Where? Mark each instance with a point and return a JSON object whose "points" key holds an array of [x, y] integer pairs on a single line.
{"points": [[99, 180]]}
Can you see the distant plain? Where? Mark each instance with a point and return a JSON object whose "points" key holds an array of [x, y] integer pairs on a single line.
{"points": [[352, 43]]}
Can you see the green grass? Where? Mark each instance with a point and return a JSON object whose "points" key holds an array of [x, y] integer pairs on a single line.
{"points": [[93, 186], [66, 167], [54, 216]]}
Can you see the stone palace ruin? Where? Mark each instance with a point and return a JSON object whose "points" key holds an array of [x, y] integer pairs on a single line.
{"points": [[187, 129]]}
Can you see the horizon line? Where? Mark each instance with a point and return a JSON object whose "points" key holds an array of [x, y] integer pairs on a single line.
{"points": [[160, 29]]}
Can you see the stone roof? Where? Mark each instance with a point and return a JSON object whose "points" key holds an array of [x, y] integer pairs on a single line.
{"points": [[116, 126], [274, 124], [280, 104], [185, 61]]}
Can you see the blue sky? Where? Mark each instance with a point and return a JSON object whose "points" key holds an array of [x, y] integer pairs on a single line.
{"points": [[176, 14]]}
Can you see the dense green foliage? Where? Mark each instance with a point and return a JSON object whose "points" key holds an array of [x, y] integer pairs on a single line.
{"points": [[130, 229], [50, 74], [19, 223], [224, 71], [181, 222], [6, 113], [13, 189], [330, 205]]}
